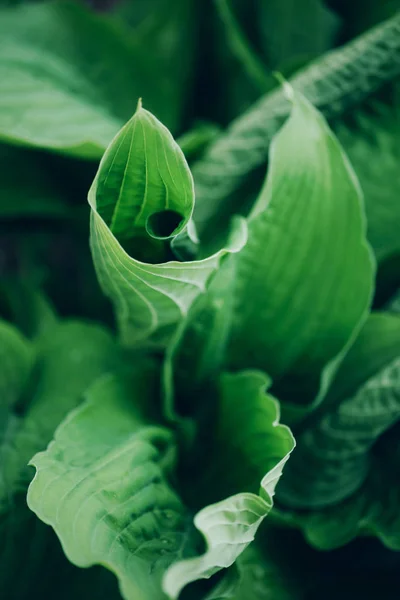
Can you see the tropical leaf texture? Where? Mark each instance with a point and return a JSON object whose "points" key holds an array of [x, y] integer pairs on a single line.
{"points": [[133, 522], [199, 217], [150, 295], [342, 471], [333, 84], [375, 140]]}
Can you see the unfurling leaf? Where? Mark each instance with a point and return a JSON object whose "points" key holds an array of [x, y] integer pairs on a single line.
{"points": [[304, 280], [141, 198]]}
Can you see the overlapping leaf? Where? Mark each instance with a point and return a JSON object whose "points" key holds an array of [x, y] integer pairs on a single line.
{"points": [[70, 356], [288, 303], [295, 31], [67, 96], [143, 196], [333, 456], [16, 358], [371, 510], [339, 472], [250, 446], [333, 83], [102, 485], [373, 148]]}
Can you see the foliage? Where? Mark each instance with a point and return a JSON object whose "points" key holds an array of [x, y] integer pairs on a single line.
{"points": [[203, 401]]}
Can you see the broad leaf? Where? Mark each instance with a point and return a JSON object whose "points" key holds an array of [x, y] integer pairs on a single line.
{"points": [[167, 36], [333, 83], [28, 307], [102, 485], [251, 449], [16, 359], [332, 460], [141, 197], [288, 303], [373, 148], [294, 30], [196, 140], [241, 48], [70, 356], [67, 96], [259, 576], [372, 510], [377, 345]]}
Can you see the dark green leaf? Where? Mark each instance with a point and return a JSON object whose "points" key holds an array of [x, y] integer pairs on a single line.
{"points": [[334, 83]]}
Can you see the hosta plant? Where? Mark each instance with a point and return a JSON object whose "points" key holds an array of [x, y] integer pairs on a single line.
{"points": [[236, 429]]}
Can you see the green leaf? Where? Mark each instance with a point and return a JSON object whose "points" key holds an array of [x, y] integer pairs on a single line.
{"points": [[141, 196], [197, 139], [371, 510], [293, 30], [250, 445], [167, 36], [333, 83], [28, 307], [197, 351], [241, 48], [373, 148], [102, 485], [332, 460], [16, 359], [259, 576], [143, 184], [70, 356], [377, 345], [293, 314], [66, 96]]}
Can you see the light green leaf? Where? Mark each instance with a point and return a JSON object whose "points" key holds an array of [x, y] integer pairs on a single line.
{"points": [[143, 195], [102, 486], [16, 360], [293, 314], [62, 95], [228, 528], [373, 148], [295, 30], [250, 445], [143, 184], [70, 356], [333, 83]]}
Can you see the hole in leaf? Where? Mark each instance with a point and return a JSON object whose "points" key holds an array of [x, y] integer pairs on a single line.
{"points": [[163, 224]]}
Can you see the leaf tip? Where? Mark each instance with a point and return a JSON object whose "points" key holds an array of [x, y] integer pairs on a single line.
{"points": [[286, 87]]}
